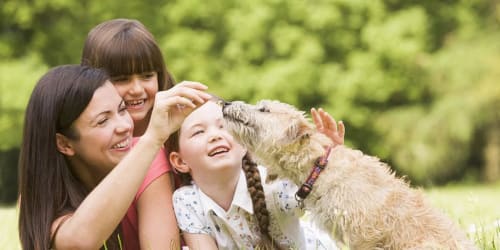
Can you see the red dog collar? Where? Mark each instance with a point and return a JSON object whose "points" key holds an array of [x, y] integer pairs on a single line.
{"points": [[306, 188]]}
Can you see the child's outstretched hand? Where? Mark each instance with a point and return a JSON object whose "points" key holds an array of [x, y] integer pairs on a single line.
{"points": [[328, 126]]}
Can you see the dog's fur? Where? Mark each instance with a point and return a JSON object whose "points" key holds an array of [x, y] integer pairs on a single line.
{"points": [[357, 197]]}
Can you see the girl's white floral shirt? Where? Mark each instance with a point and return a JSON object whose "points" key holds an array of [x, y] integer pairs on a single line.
{"points": [[237, 228]]}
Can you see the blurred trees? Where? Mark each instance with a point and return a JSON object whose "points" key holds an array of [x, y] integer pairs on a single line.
{"points": [[414, 81], [407, 77]]}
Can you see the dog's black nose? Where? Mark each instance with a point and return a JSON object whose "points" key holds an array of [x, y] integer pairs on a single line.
{"points": [[224, 104], [221, 102]]}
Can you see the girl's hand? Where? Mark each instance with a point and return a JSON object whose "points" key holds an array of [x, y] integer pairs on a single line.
{"points": [[328, 126], [173, 105]]}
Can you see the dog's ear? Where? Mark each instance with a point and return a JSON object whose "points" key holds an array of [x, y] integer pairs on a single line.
{"points": [[292, 131], [298, 131], [304, 138]]}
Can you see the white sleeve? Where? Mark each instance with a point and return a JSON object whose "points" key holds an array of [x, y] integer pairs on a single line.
{"points": [[189, 212], [282, 192]]}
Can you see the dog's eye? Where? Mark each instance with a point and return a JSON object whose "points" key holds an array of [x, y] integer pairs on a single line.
{"points": [[263, 109]]}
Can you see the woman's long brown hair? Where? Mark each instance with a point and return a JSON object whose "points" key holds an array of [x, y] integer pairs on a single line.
{"points": [[48, 188]]}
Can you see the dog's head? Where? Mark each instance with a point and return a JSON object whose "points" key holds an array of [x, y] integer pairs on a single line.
{"points": [[267, 128]]}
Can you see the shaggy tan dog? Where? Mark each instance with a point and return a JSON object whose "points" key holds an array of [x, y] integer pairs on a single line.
{"points": [[356, 196]]}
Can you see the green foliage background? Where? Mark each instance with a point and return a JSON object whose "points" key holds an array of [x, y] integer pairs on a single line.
{"points": [[414, 81]]}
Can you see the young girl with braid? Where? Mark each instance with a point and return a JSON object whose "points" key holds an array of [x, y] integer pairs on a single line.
{"points": [[227, 203]]}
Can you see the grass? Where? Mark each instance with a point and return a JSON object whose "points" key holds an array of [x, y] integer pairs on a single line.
{"points": [[8, 228], [474, 207]]}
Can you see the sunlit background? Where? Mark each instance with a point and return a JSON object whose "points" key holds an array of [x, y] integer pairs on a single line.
{"points": [[415, 82]]}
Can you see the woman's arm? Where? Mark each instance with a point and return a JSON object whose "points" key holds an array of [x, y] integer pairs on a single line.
{"points": [[103, 209], [199, 241], [157, 224]]}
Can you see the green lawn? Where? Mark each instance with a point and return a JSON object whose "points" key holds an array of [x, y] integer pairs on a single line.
{"points": [[8, 228], [475, 207]]}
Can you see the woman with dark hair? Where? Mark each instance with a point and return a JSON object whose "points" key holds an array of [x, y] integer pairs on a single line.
{"points": [[79, 172]]}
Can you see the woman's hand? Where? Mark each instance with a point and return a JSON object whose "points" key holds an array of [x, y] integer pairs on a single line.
{"points": [[173, 105], [328, 126]]}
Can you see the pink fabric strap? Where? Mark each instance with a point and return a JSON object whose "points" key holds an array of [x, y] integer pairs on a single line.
{"points": [[307, 186]]}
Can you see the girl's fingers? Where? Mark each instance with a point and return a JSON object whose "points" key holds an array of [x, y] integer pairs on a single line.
{"points": [[192, 96], [341, 129], [327, 125], [193, 90], [328, 121], [180, 101], [317, 119], [191, 84], [195, 95]]}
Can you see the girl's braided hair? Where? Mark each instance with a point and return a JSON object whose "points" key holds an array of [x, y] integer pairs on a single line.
{"points": [[256, 191]]}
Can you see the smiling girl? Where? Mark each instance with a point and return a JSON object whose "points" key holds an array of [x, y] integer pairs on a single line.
{"points": [[227, 203], [132, 58]]}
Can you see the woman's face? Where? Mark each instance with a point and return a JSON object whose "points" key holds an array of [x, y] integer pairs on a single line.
{"points": [[138, 91], [105, 134]]}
